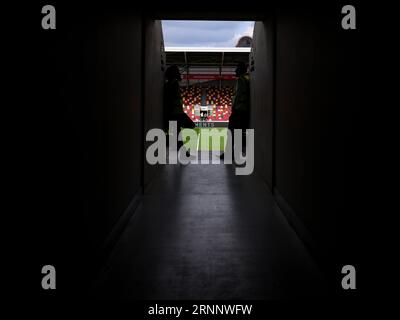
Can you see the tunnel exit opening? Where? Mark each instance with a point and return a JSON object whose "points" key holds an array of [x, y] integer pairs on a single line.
{"points": [[207, 53], [207, 60]]}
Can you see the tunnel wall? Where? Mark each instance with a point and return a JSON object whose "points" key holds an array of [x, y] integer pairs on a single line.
{"points": [[303, 119], [92, 139], [94, 143], [115, 124], [262, 91], [153, 85], [311, 104]]}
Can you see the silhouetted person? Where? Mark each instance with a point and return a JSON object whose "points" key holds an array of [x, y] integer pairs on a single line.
{"points": [[240, 115], [173, 109]]}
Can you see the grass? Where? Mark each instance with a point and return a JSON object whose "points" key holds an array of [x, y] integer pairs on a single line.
{"points": [[206, 139]]}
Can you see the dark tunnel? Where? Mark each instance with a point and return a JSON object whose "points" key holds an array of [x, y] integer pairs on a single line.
{"points": [[115, 226]]}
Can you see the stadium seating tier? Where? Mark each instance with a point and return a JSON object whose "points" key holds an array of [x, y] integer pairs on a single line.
{"points": [[220, 98]]}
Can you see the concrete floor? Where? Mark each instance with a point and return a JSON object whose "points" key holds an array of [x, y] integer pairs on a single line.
{"points": [[204, 233]]}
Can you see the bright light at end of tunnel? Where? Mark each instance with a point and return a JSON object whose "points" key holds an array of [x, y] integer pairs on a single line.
{"points": [[191, 33]]}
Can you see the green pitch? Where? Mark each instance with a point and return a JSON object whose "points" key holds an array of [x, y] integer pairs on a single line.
{"points": [[208, 139]]}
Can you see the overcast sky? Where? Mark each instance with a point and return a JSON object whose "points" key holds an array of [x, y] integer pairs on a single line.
{"points": [[205, 33]]}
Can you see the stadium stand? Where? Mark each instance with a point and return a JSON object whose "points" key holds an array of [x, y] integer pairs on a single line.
{"points": [[191, 96], [219, 98]]}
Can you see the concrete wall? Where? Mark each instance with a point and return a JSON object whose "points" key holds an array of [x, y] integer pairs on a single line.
{"points": [[116, 129], [316, 90], [316, 68], [92, 138], [91, 132], [154, 84], [262, 95]]}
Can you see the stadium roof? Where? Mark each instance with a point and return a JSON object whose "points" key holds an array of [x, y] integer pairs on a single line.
{"points": [[207, 49], [205, 56]]}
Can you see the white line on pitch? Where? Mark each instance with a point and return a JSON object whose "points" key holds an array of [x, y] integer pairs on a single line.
{"points": [[198, 140]]}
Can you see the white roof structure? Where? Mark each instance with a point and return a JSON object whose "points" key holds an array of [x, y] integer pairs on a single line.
{"points": [[202, 64], [207, 49], [206, 57]]}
